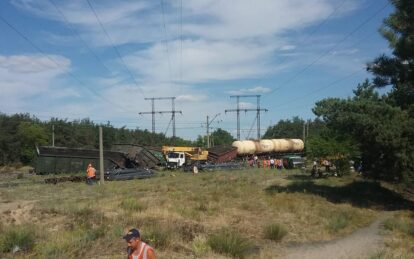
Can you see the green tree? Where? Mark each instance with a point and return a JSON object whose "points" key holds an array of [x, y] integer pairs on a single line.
{"points": [[221, 137], [384, 132], [286, 129], [397, 70], [30, 135]]}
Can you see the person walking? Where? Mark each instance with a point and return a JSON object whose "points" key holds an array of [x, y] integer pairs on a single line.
{"points": [[137, 249], [90, 174]]}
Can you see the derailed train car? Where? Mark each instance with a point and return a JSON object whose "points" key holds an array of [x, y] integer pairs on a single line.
{"points": [[55, 160]]}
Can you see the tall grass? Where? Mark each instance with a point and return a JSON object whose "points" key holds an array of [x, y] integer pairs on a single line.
{"points": [[132, 204], [17, 238], [274, 232], [401, 225], [227, 241]]}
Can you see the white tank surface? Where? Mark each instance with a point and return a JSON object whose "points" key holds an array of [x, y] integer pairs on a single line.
{"points": [[245, 147], [239, 146], [249, 147], [265, 146], [282, 145], [298, 145]]}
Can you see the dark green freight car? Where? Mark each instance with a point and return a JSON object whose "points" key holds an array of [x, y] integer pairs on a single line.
{"points": [[55, 160]]}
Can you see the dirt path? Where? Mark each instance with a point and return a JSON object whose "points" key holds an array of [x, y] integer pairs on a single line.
{"points": [[360, 244]]}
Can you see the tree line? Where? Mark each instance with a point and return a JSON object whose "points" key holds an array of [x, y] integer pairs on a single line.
{"points": [[20, 133]]}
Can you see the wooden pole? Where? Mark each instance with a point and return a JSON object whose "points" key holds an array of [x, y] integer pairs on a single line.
{"points": [[101, 161]]}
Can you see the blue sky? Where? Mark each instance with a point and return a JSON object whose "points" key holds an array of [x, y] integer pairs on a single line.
{"points": [[57, 59]]}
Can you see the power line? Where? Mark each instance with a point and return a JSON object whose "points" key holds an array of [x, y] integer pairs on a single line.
{"points": [[317, 27], [166, 39], [289, 80], [321, 88], [238, 109], [79, 37], [57, 64], [114, 47]]}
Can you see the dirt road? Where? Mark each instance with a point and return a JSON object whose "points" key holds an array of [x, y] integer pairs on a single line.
{"points": [[361, 244]]}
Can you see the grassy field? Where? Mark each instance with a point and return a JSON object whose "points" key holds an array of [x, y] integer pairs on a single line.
{"points": [[250, 213]]}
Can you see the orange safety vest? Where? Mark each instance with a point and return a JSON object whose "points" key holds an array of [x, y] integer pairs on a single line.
{"points": [[142, 252], [91, 172]]}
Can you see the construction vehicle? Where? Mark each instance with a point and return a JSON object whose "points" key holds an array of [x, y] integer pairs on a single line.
{"points": [[184, 157]]}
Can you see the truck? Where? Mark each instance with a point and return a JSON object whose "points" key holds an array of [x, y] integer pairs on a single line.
{"points": [[184, 157]]}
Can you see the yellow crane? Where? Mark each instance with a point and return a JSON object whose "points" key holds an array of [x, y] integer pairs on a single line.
{"points": [[180, 156]]}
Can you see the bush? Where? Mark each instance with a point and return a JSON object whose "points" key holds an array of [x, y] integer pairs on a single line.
{"points": [[157, 236], [200, 246], [274, 232], [131, 204], [338, 222], [229, 242], [17, 237]]}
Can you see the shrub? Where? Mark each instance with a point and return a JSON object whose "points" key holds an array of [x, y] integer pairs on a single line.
{"points": [[229, 242], [274, 232], [200, 246], [131, 204], [21, 237], [157, 236], [338, 222]]}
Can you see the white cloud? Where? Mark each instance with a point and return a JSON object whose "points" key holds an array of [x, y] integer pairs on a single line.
{"points": [[253, 90], [191, 98], [24, 75]]}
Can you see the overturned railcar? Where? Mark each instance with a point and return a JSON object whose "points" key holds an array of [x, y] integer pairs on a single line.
{"points": [[55, 160]]}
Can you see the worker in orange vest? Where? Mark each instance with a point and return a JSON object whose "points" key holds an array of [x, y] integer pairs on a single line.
{"points": [[91, 174], [137, 249]]}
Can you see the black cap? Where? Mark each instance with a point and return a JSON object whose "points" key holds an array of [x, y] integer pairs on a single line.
{"points": [[133, 233]]}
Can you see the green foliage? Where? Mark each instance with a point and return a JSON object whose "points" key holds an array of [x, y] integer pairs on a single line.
{"points": [[275, 232], [338, 221], [227, 241], [158, 236], [20, 237], [221, 137], [200, 246], [385, 132], [286, 129], [397, 70]]}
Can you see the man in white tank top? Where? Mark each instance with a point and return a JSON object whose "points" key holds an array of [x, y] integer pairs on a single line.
{"points": [[138, 249]]}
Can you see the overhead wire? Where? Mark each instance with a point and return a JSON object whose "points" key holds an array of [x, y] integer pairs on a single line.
{"points": [[166, 39], [291, 79], [317, 27], [57, 64], [74, 32], [114, 47]]}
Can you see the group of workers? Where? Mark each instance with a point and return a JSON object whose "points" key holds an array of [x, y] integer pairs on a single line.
{"points": [[266, 163]]}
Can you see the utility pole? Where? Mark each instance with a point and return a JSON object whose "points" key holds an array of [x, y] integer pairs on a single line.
{"points": [[304, 132], [53, 135], [101, 162], [208, 128], [237, 110], [153, 111]]}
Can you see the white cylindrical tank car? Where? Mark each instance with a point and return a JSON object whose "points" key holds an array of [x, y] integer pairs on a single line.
{"points": [[248, 147]]}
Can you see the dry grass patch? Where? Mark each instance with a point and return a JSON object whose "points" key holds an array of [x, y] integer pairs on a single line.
{"points": [[399, 236]]}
